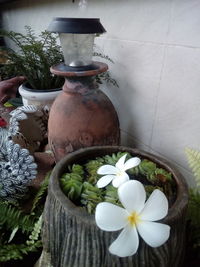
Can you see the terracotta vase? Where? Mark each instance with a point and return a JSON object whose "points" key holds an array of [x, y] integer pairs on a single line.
{"points": [[73, 239], [82, 115]]}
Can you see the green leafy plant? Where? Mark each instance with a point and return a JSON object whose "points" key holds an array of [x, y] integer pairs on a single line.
{"points": [[193, 157], [19, 230], [33, 56], [17, 251], [79, 182]]}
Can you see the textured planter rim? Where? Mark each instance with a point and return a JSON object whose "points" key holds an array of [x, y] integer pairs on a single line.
{"points": [[27, 88], [87, 153]]}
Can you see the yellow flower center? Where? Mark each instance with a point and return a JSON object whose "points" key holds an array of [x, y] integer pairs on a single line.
{"points": [[119, 173], [134, 218]]}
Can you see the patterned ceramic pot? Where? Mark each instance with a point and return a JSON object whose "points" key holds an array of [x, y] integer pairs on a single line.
{"points": [[82, 115], [73, 239]]}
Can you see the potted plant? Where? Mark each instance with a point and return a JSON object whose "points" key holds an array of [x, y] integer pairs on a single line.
{"points": [[32, 57], [75, 237]]}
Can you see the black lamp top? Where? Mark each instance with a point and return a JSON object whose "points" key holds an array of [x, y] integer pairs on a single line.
{"points": [[76, 25]]}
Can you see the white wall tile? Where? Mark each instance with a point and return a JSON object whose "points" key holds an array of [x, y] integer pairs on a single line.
{"points": [[137, 69], [131, 141], [178, 111], [184, 27], [142, 20]]}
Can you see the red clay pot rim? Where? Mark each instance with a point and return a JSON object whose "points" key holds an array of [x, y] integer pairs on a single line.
{"points": [[54, 186]]}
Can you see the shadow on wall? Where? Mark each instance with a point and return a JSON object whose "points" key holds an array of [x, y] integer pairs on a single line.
{"points": [[120, 97], [7, 4]]}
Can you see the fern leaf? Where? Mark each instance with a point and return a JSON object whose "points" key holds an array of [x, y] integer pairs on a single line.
{"points": [[17, 251], [193, 217], [193, 157], [12, 217], [41, 191], [35, 234]]}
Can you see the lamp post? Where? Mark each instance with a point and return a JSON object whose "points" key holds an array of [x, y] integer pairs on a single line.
{"points": [[81, 115]]}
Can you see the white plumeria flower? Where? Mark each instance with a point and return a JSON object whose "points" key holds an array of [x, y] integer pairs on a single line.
{"points": [[117, 174], [137, 217]]}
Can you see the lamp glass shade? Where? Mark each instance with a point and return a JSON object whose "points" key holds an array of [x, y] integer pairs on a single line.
{"points": [[77, 48]]}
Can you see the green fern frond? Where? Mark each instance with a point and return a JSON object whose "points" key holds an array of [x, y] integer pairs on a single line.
{"points": [[193, 157], [35, 234], [17, 251], [11, 217], [194, 204], [193, 217], [41, 192]]}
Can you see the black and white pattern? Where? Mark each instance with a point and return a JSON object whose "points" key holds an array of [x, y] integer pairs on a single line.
{"points": [[17, 172], [17, 166]]}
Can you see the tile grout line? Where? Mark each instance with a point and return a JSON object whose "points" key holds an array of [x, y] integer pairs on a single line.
{"points": [[157, 96], [135, 138], [151, 43], [161, 75]]}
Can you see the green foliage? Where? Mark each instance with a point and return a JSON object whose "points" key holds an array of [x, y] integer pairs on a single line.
{"points": [[91, 196], [26, 223], [35, 234], [150, 188], [194, 221], [33, 56], [91, 167], [153, 174], [78, 169], [193, 210], [17, 251], [15, 223], [193, 157], [112, 159], [72, 182], [111, 195], [41, 192], [12, 217], [79, 183]]}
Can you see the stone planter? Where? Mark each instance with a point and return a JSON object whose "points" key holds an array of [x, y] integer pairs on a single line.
{"points": [[73, 239], [38, 97]]}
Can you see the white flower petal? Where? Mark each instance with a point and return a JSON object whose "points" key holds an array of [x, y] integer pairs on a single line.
{"points": [[110, 217], [107, 169], [126, 243], [120, 163], [132, 196], [131, 163], [156, 207], [105, 180], [154, 234], [119, 180]]}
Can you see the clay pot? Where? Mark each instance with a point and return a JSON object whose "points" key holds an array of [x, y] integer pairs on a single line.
{"points": [[81, 116], [73, 239]]}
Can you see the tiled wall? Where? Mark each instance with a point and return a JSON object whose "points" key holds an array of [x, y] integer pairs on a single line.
{"points": [[156, 48]]}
